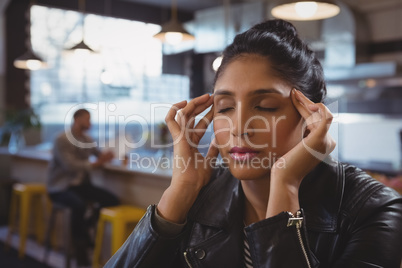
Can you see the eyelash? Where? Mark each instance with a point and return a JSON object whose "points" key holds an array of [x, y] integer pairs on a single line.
{"points": [[266, 109], [258, 107], [225, 110]]}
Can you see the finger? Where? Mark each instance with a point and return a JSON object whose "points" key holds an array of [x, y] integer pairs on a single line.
{"points": [[213, 152], [171, 123], [326, 117], [204, 106], [202, 125], [300, 107], [193, 104], [301, 98], [198, 109], [308, 109]]}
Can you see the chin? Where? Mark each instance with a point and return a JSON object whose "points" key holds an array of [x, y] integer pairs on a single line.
{"points": [[248, 172]]}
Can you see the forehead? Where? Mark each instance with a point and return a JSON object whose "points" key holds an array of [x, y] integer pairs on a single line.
{"points": [[250, 72], [84, 116]]}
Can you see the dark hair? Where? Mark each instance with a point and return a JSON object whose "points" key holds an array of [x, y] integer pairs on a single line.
{"points": [[290, 57], [80, 112]]}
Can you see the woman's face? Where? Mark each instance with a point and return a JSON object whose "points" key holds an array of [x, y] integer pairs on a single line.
{"points": [[255, 122]]}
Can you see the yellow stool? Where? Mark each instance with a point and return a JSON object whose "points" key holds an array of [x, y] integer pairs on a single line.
{"points": [[119, 217], [27, 195]]}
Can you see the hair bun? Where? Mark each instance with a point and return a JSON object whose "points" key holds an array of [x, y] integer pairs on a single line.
{"points": [[289, 56], [280, 27]]}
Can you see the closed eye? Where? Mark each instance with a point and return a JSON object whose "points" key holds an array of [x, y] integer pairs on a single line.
{"points": [[266, 109], [225, 110]]}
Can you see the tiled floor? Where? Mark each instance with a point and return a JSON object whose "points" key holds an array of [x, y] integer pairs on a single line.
{"points": [[36, 251]]}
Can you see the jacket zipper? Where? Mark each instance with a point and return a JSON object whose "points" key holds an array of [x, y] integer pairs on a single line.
{"points": [[187, 261], [297, 221]]}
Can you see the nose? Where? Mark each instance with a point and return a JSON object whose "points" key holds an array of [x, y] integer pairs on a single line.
{"points": [[242, 123]]}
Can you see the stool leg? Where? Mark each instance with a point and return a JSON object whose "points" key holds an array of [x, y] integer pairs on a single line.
{"points": [[49, 211], [48, 235], [118, 234], [67, 236], [39, 219], [24, 216], [12, 219], [98, 242]]}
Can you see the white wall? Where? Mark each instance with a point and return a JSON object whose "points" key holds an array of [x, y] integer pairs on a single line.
{"points": [[365, 138]]}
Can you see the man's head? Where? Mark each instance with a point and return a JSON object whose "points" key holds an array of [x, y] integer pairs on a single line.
{"points": [[82, 120]]}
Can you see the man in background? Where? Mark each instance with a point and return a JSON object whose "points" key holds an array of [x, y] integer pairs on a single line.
{"points": [[69, 181]]}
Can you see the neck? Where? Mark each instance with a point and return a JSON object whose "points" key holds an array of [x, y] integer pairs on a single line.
{"points": [[77, 131], [256, 199]]}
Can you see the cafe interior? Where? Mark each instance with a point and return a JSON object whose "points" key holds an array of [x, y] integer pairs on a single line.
{"points": [[128, 61]]}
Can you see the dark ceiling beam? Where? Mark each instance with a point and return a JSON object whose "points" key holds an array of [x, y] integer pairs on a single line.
{"points": [[17, 81]]}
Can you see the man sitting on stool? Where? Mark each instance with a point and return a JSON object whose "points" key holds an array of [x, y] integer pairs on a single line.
{"points": [[69, 181]]}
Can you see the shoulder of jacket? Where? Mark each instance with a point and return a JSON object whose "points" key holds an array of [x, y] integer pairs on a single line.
{"points": [[363, 194], [61, 138]]}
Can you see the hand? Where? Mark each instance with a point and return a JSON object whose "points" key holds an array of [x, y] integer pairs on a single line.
{"points": [[103, 158], [191, 171], [108, 155], [315, 146]]}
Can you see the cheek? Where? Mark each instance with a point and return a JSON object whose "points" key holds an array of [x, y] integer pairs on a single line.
{"points": [[221, 131]]}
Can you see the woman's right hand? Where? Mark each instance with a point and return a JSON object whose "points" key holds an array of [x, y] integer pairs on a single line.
{"points": [[191, 171]]}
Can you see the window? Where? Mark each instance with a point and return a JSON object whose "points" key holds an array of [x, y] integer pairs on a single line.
{"points": [[124, 75]]}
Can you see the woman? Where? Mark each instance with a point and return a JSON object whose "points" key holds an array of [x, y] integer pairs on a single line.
{"points": [[279, 200]]}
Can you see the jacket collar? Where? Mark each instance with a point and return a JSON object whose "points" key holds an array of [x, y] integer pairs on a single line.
{"points": [[221, 202]]}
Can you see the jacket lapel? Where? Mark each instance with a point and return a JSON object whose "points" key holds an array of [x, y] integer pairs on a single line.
{"points": [[221, 202]]}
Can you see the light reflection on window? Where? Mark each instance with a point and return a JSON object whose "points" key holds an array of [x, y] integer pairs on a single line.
{"points": [[126, 69]]}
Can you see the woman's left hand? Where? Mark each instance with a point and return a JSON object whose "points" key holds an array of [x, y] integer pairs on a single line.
{"points": [[288, 172]]}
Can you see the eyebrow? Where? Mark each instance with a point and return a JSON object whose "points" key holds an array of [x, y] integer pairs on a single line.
{"points": [[255, 92]]}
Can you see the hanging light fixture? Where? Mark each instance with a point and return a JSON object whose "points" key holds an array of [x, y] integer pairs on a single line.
{"points": [[81, 47], [305, 10], [173, 31], [29, 60]]}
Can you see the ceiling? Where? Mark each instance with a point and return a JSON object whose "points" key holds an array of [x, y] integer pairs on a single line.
{"points": [[364, 6], [183, 5]]}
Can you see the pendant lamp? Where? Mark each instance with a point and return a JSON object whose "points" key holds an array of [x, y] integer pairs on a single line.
{"points": [[82, 46], [173, 31], [305, 10], [29, 60]]}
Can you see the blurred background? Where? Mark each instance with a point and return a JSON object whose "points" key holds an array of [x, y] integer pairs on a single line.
{"points": [[124, 69]]}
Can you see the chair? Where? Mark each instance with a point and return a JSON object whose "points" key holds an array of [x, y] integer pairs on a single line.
{"points": [[66, 215], [118, 217], [27, 198]]}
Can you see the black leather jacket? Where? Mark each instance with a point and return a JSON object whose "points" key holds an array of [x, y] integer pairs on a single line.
{"points": [[350, 220]]}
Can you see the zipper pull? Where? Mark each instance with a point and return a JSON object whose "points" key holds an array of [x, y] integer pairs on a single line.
{"points": [[187, 260], [295, 220]]}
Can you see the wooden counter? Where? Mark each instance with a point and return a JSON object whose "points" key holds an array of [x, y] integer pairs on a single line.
{"points": [[136, 186]]}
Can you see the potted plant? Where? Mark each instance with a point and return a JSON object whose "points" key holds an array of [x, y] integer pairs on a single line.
{"points": [[17, 124]]}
